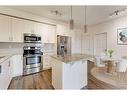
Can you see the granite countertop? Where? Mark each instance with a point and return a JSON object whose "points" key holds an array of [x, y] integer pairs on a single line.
{"points": [[4, 57], [72, 57]]}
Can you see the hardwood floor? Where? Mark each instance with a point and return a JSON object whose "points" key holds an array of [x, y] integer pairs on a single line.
{"points": [[43, 80], [40, 80]]}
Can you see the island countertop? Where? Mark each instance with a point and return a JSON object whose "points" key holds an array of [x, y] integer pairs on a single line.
{"points": [[72, 57]]}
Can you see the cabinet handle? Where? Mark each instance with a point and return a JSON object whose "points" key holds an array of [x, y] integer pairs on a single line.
{"points": [[9, 64], [0, 69]]}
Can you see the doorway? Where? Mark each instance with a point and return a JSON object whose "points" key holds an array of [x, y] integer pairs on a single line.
{"points": [[100, 43]]}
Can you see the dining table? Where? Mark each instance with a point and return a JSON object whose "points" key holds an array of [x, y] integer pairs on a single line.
{"points": [[110, 63]]}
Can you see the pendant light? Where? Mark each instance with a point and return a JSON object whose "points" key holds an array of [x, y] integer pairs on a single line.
{"points": [[85, 25], [71, 21]]}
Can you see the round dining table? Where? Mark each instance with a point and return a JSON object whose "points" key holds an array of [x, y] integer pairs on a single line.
{"points": [[110, 63]]}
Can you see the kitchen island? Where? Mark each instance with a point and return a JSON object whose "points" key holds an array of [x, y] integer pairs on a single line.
{"points": [[70, 71]]}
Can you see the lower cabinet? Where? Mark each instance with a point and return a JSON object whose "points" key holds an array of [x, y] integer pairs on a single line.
{"points": [[17, 62], [5, 74], [9, 68], [46, 62]]}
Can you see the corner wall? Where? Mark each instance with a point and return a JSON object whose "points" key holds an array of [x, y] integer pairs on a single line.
{"points": [[111, 28]]}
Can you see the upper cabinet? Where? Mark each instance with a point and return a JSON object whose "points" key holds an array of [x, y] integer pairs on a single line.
{"points": [[18, 28], [29, 26], [12, 30], [49, 33], [5, 28], [63, 30]]}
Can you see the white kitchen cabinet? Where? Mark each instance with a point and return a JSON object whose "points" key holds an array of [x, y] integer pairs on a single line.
{"points": [[5, 74], [52, 34], [46, 61], [29, 26], [49, 33], [61, 30], [5, 29], [75, 75], [18, 27], [72, 75], [17, 61]]}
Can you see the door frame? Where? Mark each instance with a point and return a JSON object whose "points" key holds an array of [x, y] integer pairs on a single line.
{"points": [[94, 49]]}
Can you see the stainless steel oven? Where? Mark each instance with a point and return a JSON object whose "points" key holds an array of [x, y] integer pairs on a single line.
{"points": [[32, 60], [32, 38]]}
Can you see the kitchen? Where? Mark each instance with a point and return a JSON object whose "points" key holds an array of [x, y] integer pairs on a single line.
{"points": [[41, 51]]}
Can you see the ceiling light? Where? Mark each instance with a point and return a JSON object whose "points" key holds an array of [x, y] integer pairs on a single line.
{"points": [[56, 12], [85, 25], [118, 13], [71, 21]]}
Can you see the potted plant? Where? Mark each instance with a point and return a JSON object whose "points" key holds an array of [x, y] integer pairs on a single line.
{"points": [[110, 52]]}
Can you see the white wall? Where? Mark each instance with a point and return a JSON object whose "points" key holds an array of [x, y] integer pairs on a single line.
{"points": [[111, 28]]}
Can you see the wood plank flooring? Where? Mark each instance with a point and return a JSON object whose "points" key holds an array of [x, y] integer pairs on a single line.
{"points": [[40, 80], [43, 81]]}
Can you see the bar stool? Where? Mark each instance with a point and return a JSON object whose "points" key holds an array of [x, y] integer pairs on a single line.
{"points": [[121, 68]]}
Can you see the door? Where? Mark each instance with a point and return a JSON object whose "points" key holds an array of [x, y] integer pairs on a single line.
{"points": [[100, 43]]}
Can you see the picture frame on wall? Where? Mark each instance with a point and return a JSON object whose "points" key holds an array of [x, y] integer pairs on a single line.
{"points": [[122, 36]]}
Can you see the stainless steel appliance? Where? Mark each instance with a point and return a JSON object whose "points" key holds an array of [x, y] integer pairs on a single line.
{"points": [[63, 45], [32, 56], [32, 38], [32, 60]]}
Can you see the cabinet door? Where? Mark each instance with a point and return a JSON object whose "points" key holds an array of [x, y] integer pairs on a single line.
{"points": [[39, 30], [5, 28], [61, 30], [45, 33], [5, 76], [17, 29], [29, 27], [52, 34], [46, 62], [17, 65]]}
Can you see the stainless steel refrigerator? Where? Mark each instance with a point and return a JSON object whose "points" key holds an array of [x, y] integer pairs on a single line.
{"points": [[63, 45]]}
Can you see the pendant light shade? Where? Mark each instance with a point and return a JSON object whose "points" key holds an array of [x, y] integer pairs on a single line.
{"points": [[85, 25], [71, 21], [85, 28], [71, 24]]}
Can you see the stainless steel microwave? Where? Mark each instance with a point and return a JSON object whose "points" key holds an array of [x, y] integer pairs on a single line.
{"points": [[32, 38]]}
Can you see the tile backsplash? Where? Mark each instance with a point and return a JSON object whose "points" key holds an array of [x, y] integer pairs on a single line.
{"points": [[17, 48], [49, 47]]}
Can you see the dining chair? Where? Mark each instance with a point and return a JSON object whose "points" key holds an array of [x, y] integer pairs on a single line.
{"points": [[121, 68], [99, 64]]}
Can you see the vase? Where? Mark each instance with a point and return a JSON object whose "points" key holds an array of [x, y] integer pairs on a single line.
{"points": [[110, 55]]}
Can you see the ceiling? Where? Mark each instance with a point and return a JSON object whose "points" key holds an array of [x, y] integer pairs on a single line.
{"points": [[95, 14]]}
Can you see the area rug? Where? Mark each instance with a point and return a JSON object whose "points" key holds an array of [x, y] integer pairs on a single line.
{"points": [[111, 79]]}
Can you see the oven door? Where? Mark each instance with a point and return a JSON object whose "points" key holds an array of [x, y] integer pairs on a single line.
{"points": [[32, 61]]}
